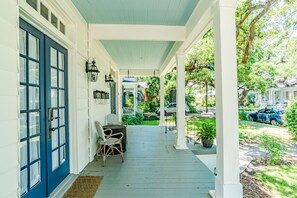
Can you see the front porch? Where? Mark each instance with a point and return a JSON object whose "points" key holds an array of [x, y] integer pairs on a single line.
{"points": [[152, 168]]}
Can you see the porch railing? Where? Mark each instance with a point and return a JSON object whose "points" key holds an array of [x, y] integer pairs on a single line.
{"points": [[191, 127]]}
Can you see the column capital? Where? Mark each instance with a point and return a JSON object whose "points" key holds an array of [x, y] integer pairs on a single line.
{"points": [[177, 54], [226, 3]]}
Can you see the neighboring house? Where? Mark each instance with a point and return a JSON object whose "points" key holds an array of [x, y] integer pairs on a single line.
{"points": [[283, 94], [51, 92], [130, 93], [133, 93]]}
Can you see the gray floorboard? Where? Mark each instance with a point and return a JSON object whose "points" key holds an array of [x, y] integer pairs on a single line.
{"points": [[152, 168]]}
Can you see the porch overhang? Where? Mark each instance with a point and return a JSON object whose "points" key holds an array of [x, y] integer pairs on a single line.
{"points": [[147, 41], [152, 37]]}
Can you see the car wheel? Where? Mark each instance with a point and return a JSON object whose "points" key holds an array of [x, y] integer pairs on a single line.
{"points": [[250, 118], [274, 122]]}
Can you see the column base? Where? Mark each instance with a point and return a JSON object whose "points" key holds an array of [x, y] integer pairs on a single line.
{"points": [[227, 190], [162, 128], [180, 147], [212, 193]]}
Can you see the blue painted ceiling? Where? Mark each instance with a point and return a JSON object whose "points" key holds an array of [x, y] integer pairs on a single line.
{"points": [[146, 12], [137, 54]]}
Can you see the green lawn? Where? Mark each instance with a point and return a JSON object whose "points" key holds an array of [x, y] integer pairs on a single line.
{"points": [[150, 123], [281, 180]]}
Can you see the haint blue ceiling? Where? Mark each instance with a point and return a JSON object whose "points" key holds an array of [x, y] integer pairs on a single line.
{"points": [[138, 54], [146, 12]]}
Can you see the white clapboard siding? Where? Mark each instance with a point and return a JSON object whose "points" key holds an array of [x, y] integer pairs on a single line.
{"points": [[9, 99]]}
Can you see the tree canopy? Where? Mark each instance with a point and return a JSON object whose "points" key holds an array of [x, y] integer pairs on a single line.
{"points": [[266, 47], [266, 35]]}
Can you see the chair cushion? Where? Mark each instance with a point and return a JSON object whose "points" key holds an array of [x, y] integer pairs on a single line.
{"points": [[110, 141]]}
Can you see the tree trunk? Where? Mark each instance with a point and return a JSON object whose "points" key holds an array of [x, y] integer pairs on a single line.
{"points": [[206, 97], [242, 96]]}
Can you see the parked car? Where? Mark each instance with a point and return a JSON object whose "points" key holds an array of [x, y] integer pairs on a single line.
{"points": [[267, 115], [171, 109]]}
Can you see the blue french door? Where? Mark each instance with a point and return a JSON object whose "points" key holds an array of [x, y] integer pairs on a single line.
{"points": [[56, 116], [32, 114], [44, 156]]}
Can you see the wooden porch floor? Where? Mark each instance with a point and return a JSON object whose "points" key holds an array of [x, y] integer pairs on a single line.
{"points": [[152, 169]]}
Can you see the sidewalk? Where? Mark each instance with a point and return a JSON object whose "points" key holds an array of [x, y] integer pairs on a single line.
{"points": [[246, 154]]}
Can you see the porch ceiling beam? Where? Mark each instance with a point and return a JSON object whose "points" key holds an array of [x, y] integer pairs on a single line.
{"points": [[198, 24], [137, 32], [139, 72]]}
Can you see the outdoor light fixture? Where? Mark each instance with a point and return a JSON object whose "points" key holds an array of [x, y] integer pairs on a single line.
{"points": [[92, 71], [109, 81]]}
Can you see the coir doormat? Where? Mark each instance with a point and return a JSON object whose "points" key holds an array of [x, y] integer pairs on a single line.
{"points": [[84, 187]]}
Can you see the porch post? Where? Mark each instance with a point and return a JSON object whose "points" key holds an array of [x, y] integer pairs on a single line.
{"points": [[180, 102], [227, 181], [135, 98], [162, 84], [120, 98]]}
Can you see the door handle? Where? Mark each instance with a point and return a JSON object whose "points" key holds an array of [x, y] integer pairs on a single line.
{"points": [[54, 118], [51, 130]]}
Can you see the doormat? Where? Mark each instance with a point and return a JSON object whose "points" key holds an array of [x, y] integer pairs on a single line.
{"points": [[84, 187]]}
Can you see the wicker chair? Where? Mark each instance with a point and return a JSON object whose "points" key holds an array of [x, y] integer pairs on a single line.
{"points": [[108, 143]]}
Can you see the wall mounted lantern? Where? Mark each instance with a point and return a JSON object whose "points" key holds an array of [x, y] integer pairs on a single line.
{"points": [[109, 80], [92, 71]]}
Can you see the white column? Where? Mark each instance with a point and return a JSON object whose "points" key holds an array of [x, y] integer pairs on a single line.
{"points": [[135, 98], [120, 98], [227, 181], [282, 96], [162, 116], [180, 102]]}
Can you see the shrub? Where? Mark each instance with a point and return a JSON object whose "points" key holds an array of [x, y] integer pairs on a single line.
{"points": [[152, 118], [148, 106], [274, 146], [243, 135], [133, 120], [192, 109], [291, 118], [211, 102], [242, 115]]}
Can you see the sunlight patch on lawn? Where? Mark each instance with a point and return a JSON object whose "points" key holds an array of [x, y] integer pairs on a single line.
{"points": [[280, 180]]}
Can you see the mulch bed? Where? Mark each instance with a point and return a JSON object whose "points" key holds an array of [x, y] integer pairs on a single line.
{"points": [[253, 188]]}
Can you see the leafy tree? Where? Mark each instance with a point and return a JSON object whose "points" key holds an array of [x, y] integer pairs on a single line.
{"points": [[265, 33], [266, 51], [200, 65], [266, 46]]}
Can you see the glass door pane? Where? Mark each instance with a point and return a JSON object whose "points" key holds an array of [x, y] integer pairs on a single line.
{"points": [[31, 131], [56, 89], [57, 121]]}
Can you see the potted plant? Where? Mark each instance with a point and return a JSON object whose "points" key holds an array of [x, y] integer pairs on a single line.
{"points": [[207, 133]]}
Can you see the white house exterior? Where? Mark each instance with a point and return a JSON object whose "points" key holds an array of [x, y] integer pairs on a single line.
{"points": [[279, 95], [47, 106]]}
